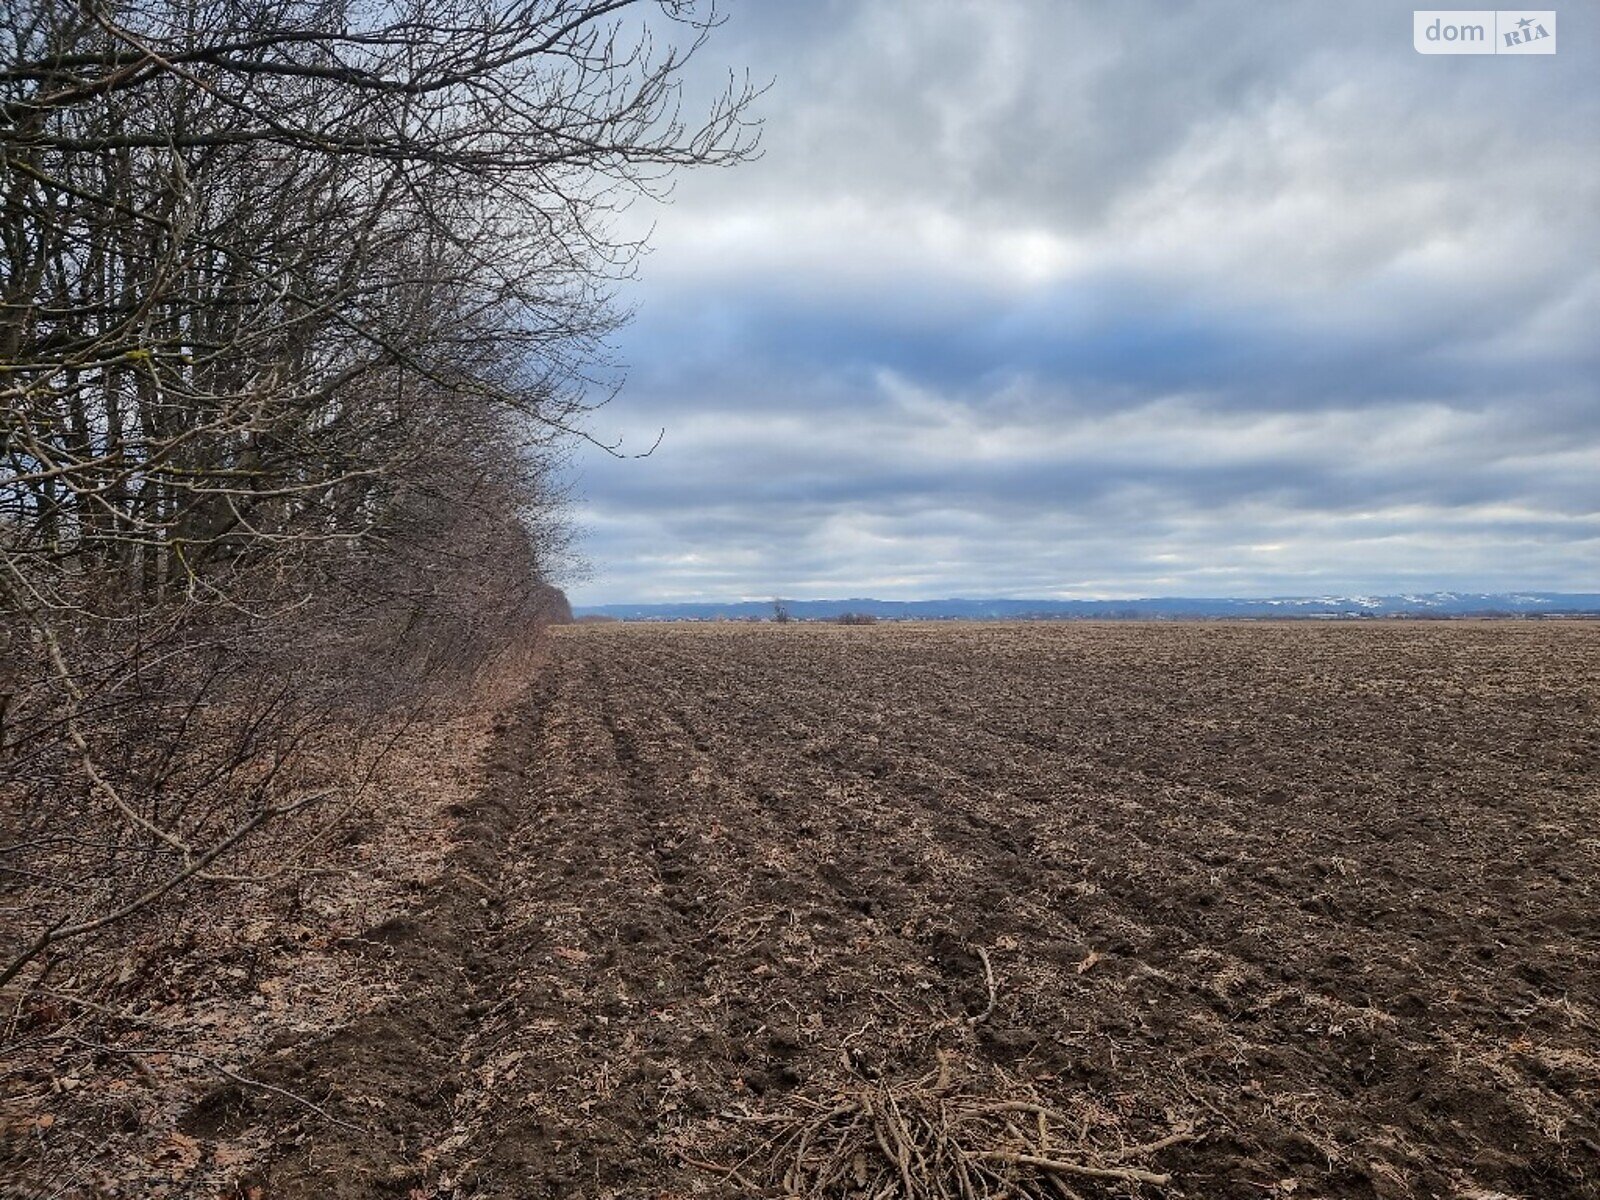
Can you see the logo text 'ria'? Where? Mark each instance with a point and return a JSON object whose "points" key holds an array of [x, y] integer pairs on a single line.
{"points": [[1527, 30]]}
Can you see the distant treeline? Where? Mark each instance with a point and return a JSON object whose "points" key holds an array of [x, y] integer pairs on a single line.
{"points": [[1436, 605]]}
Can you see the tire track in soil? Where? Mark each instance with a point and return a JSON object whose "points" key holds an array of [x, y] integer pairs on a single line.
{"points": [[634, 887], [397, 1072]]}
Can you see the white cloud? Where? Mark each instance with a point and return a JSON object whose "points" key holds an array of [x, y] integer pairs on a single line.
{"points": [[1071, 299]]}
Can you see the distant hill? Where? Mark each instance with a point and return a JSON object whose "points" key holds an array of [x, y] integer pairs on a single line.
{"points": [[1426, 604]]}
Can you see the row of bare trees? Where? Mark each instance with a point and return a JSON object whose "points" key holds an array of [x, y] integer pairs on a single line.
{"points": [[298, 300]]}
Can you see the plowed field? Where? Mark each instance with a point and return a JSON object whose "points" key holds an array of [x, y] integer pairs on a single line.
{"points": [[1239, 910]]}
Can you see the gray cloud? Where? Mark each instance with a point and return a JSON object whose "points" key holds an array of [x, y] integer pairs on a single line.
{"points": [[1049, 299]]}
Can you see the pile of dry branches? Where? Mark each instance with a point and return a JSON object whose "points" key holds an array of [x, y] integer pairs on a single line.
{"points": [[932, 1139]]}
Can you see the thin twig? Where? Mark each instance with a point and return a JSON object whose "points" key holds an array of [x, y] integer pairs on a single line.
{"points": [[1129, 1174], [988, 982]]}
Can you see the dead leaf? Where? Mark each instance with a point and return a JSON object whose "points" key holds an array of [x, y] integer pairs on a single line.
{"points": [[571, 954], [1089, 960]]}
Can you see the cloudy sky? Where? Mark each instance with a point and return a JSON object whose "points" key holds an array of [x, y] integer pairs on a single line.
{"points": [[1117, 299]]}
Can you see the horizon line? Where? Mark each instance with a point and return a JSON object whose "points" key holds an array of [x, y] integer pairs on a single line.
{"points": [[1328, 595]]}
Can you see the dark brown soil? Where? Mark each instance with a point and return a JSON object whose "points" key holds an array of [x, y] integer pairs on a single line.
{"points": [[1324, 896]]}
